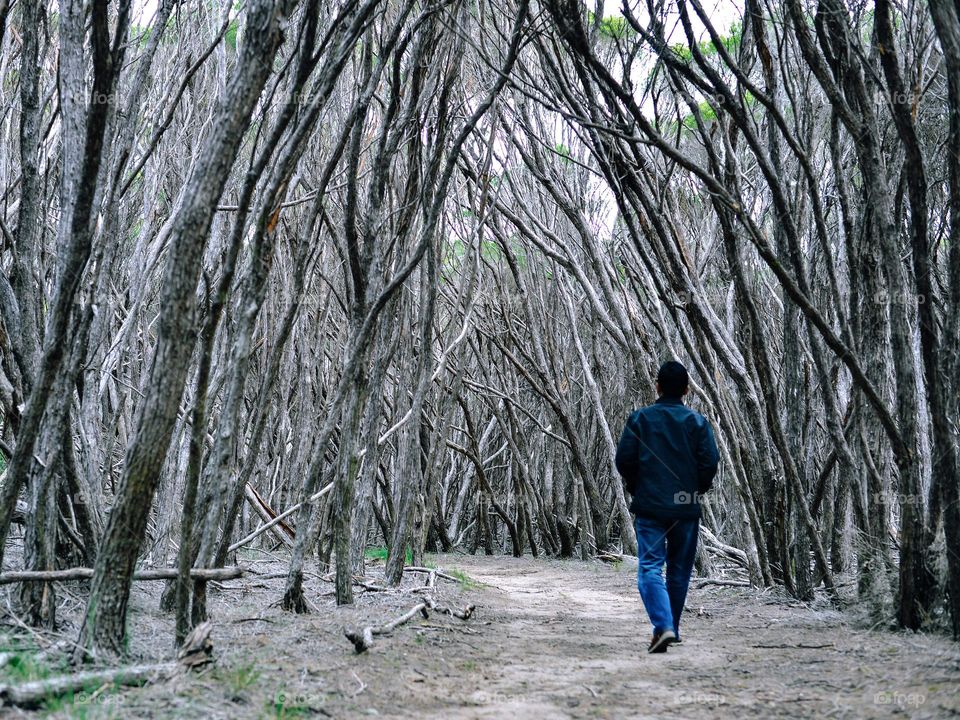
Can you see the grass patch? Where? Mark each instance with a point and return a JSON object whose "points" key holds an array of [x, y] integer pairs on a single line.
{"points": [[237, 679], [287, 704], [466, 582], [95, 699], [23, 667], [380, 553], [87, 703]]}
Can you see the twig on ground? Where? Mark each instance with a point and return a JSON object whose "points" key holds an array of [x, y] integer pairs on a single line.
{"points": [[362, 685]]}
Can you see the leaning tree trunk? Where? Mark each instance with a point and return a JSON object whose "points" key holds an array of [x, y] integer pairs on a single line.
{"points": [[104, 625]]}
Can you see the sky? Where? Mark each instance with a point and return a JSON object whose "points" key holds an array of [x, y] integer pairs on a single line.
{"points": [[723, 13]]}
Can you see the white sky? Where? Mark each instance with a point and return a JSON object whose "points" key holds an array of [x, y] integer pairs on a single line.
{"points": [[723, 13]]}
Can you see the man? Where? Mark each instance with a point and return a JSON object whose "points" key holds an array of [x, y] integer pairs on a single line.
{"points": [[668, 458]]}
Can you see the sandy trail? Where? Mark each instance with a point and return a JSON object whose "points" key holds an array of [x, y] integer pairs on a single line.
{"points": [[550, 639]]}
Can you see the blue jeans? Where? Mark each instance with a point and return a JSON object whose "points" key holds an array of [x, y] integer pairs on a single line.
{"points": [[673, 542]]}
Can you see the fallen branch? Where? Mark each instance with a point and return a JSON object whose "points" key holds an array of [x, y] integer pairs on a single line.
{"points": [[271, 521], [363, 639], [610, 557], [724, 583], [434, 571], [278, 519], [15, 576], [33, 694], [801, 646], [464, 614], [712, 542]]}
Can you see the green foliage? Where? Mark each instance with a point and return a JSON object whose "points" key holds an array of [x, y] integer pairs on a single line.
{"points": [[380, 553], [612, 27], [231, 35], [375, 553], [23, 667], [707, 112], [730, 42], [286, 705], [490, 250], [466, 582], [563, 151], [239, 678], [92, 701], [135, 229], [141, 35]]}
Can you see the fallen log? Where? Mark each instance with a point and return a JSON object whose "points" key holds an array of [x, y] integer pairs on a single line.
{"points": [[362, 639], [15, 576], [33, 694]]}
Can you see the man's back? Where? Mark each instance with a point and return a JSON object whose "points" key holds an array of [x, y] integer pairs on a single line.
{"points": [[668, 457]]}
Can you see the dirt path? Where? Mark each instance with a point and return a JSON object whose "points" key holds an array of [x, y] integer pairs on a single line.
{"points": [[568, 641], [550, 639]]}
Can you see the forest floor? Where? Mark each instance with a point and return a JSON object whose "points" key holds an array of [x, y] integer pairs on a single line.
{"points": [[549, 639]]}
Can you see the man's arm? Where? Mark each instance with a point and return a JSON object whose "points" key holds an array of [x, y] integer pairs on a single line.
{"points": [[628, 453], [708, 457]]}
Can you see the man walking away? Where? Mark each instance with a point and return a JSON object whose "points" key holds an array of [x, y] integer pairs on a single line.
{"points": [[668, 458]]}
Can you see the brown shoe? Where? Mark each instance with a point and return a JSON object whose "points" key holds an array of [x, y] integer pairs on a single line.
{"points": [[660, 641]]}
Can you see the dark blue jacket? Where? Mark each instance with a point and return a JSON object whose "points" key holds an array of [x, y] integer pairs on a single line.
{"points": [[668, 457]]}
